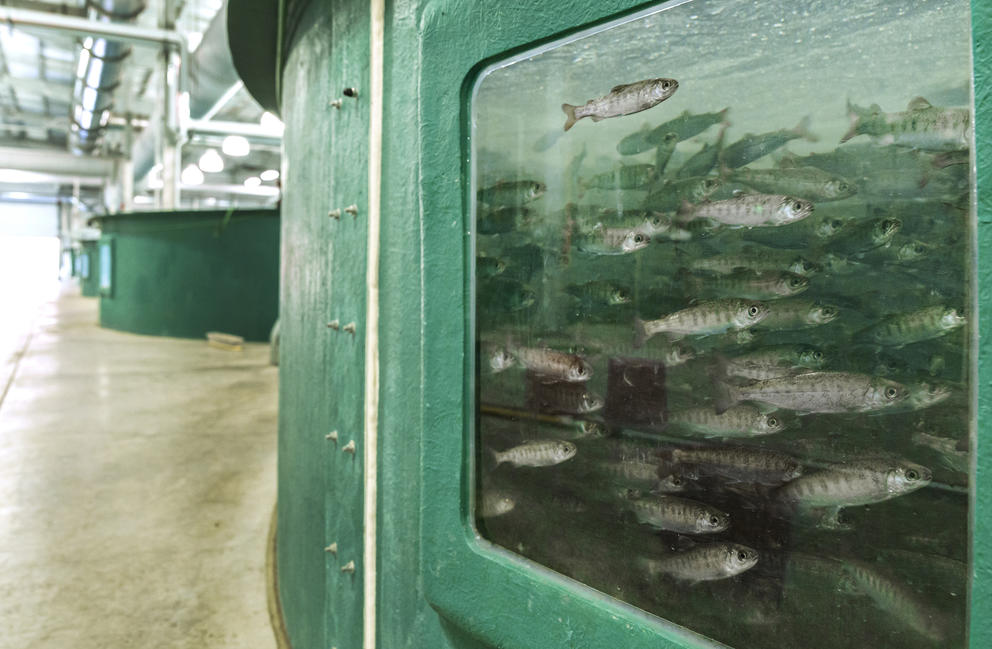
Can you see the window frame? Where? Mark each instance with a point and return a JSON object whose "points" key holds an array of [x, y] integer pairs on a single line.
{"points": [[489, 593]]}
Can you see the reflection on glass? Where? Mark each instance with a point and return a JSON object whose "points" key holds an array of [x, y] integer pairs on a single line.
{"points": [[723, 269]]}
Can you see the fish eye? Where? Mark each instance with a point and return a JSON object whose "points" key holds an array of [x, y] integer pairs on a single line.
{"points": [[795, 281], [797, 205], [836, 224], [842, 187], [912, 474], [772, 422], [752, 310], [818, 355], [891, 392], [742, 556], [714, 520], [638, 238], [665, 85], [677, 481]]}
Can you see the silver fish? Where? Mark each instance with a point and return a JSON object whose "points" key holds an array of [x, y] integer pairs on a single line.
{"points": [[921, 126], [496, 503], [905, 328], [805, 182], [852, 484], [739, 464], [702, 319], [709, 562], [748, 284], [739, 421], [551, 363], [625, 99], [676, 514], [513, 192], [601, 240], [537, 453], [750, 210], [817, 392], [897, 600], [775, 361], [798, 314], [756, 260]]}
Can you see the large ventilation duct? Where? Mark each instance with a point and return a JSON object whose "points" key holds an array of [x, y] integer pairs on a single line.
{"points": [[212, 74], [98, 73]]}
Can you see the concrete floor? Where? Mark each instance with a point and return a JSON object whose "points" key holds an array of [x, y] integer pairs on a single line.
{"points": [[137, 480]]}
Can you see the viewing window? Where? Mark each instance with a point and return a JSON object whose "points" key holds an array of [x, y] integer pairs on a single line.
{"points": [[724, 313]]}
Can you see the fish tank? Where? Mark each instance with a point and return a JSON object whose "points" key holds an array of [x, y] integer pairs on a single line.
{"points": [[723, 317]]}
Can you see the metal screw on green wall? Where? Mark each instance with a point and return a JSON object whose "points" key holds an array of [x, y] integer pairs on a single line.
{"points": [[350, 92], [349, 447], [352, 209], [335, 103], [350, 328], [334, 324], [348, 567], [332, 436], [335, 214], [332, 548]]}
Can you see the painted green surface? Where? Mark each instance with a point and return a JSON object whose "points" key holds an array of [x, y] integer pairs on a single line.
{"points": [[89, 283], [981, 556], [321, 382], [438, 585], [183, 274]]}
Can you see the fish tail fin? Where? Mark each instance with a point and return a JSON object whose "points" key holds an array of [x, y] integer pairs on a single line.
{"points": [[497, 457], [723, 116], [640, 333], [570, 118], [802, 130], [854, 114], [724, 394]]}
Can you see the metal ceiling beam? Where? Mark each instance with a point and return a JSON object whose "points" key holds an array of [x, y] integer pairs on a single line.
{"points": [[29, 19], [244, 129], [55, 162], [46, 7]]}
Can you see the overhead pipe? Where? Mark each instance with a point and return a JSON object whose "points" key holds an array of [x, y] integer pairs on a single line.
{"points": [[30, 20]]}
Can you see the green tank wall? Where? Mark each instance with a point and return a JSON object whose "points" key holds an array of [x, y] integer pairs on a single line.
{"points": [[426, 596], [183, 274], [89, 285]]}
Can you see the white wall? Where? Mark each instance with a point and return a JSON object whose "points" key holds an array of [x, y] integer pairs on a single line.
{"points": [[19, 219]]}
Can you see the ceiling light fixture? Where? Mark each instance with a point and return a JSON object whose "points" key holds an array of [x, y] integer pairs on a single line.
{"points": [[271, 123], [235, 146], [211, 162], [269, 174], [254, 181], [192, 175]]}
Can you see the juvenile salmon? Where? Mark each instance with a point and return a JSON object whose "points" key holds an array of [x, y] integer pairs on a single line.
{"points": [[625, 99]]}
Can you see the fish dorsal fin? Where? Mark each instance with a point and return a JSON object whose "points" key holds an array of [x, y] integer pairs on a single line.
{"points": [[621, 87], [919, 103]]}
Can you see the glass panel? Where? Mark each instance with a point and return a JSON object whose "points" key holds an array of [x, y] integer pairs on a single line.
{"points": [[723, 317], [106, 267]]}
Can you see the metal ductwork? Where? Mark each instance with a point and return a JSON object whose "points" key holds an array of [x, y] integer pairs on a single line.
{"points": [[98, 73], [212, 74]]}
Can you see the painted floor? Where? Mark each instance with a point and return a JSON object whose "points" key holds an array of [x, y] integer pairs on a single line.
{"points": [[137, 481]]}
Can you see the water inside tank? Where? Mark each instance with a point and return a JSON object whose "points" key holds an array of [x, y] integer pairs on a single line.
{"points": [[724, 311]]}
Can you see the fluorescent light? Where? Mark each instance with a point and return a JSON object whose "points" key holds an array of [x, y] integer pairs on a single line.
{"points": [[17, 195], [93, 75], [192, 175], [269, 174], [211, 162], [254, 181], [143, 200], [271, 123], [235, 146], [84, 60], [89, 98]]}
